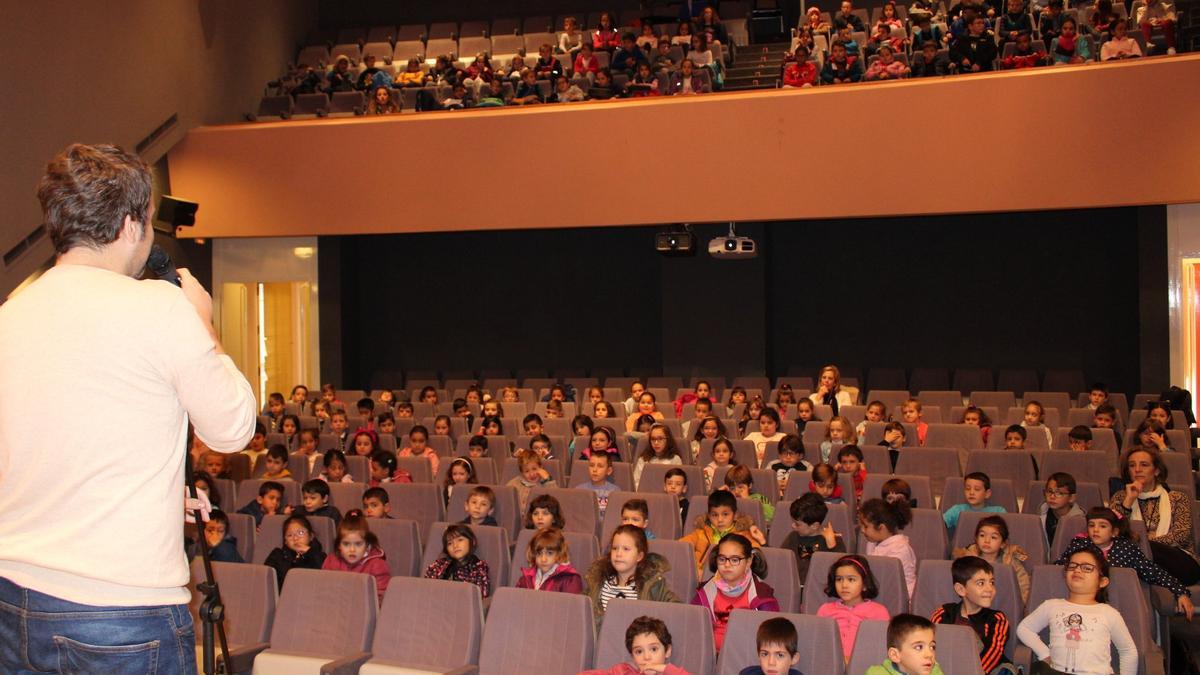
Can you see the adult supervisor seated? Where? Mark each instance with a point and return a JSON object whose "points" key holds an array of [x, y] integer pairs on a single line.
{"points": [[99, 375]]}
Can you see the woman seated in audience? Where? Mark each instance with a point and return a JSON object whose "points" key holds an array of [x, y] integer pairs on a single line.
{"points": [[1070, 47], [381, 102], [606, 36], [886, 67], [647, 405], [570, 39], [709, 24], [412, 75], [813, 22], [1166, 513], [829, 390]]}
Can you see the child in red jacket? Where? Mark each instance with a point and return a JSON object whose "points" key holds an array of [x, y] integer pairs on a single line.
{"points": [[357, 550], [550, 564], [801, 72]]}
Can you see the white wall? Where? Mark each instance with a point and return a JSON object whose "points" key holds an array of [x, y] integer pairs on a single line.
{"points": [[1183, 241], [112, 72]]}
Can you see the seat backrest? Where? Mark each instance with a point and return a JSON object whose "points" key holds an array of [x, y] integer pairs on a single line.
{"points": [[515, 614], [690, 627], [401, 543], [241, 526], [1089, 467], [893, 592], [815, 635], [653, 476], [926, 534], [249, 593], [579, 508], [1059, 400], [664, 515], [492, 548], [957, 650], [419, 502], [1072, 526], [935, 587], [919, 484], [950, 434], [346, 496], [681, 576], [1087, 495], [783, 576], [837, 514], [1001, 400], [582, 550], [1024, 530], [1014, 465], [448, 630], [247, 491], [622, 473], [1003, 494], [310, 593]]}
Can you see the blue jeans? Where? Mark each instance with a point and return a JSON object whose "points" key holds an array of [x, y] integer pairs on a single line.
{"points": [[43, 634]]}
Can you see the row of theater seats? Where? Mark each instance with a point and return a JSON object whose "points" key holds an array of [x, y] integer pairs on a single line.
{"points": [[331, 621]]}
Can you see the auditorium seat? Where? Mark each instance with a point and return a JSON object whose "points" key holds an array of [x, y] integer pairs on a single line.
{"points": [[1003, 494], [506, 510], [310, 104], [783, 577], [1103, 440], [1087, 495], [562, 620], [957, 650], [358, 467], [891, 398], [1124, 594], [797, 484], [926, 534], [690, 627], [893, 592], [815, 635], [401, 543], [346, 496], [1073, 526], [444, 638], [837, 514], [492, 547], [741, 450], [1091, 467], [1050, 400], [698, 506], [485, 471], [300, 644], [654, 475], [247, 491], [919, 483], [582, 549], [1001, 400], [764, 481], [422, 503], [1064, 379], [249, 594], [935, 587], [1013, 465], [664, 515], [1017, 380], [241, 526], [579, 509], [1024, 530], [510, 469], [270, 535]]}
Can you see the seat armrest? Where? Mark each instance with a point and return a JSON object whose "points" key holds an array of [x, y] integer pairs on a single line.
{"points": [[242, 658], [347, 665]]}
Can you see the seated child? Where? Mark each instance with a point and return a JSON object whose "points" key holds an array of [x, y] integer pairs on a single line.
{"points": [[356, 549], [976, 417], [876, 412], [544, 512], [675, 483], [481, 505], [768, 430], [477, 447], [1079, 438], [737, 570], [222, 546], [897, 490], [991, 544], [531, 475], [977, 490], [532, 424], [600, 469], [636, 512], [791, 458], [1014, 437], [808, 535], [1083, 628], [376, 503], [801, 72], [721, 519], [215, 465], [335, 468], [1023, 55], [459, 562], [1035, 419], [740, 482], [837, 435], [316, 501], [928, 63], [881, 524], [1105, 417], [894, 436], [549, 561], [911, 412], [542, 445], [268, 503], [604, 440], [852, 590], [649, 645], [1070, 46], [276, 462], [1110, 533], [886, 67], [418, 437], [1060, 502], [300, 550], [850, 460], [975, 584], [629, 570], [723, 455], [461, 472], [911, 648], [778, 649], [824, 482], [308, 448], [384, 469]]}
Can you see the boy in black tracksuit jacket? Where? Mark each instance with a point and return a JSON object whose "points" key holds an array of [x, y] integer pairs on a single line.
{"points": [[989, 624]]}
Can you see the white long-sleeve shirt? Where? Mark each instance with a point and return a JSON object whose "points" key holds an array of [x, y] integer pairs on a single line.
{"points": [[99, 374], [1080, 636]]}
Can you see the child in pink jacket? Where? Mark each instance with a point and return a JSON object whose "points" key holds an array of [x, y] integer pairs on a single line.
{"points": [[357, 550], [853, 588]]}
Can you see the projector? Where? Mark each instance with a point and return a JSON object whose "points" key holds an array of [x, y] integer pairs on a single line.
{"points": [[733, 247]]}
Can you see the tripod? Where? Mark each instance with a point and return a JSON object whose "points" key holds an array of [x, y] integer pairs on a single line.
{"points": [[212, 612]]}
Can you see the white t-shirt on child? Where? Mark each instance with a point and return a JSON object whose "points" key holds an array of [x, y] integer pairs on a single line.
{"points": [[1080, 636]]}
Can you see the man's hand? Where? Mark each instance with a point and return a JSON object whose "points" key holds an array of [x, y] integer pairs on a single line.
{"points": [[201, 301]]}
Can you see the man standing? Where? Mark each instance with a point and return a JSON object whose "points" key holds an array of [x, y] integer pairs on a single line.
{"points": [[99, 375]]}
